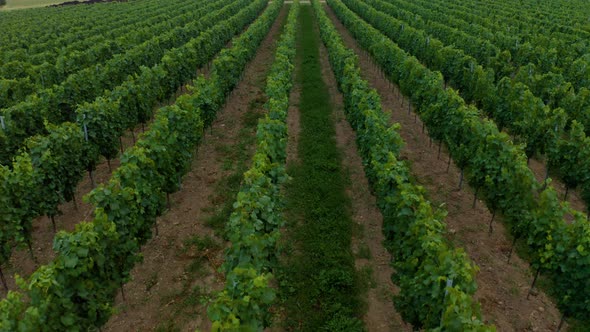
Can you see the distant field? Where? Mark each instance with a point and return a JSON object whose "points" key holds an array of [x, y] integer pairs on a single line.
{"points": [[21, 4]]}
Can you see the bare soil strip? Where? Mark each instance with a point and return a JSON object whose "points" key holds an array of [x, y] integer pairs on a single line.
{"points": [[372, 259], [172, 287], [502, 286]]}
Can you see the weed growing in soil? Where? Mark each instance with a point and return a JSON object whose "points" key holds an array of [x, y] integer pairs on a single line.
{"points": [[363, 251]]}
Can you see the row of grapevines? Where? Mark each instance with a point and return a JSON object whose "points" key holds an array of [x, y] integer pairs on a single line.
{"points": [[476, 82], [532, 17], [20, 79], [436, 282], [529, 28], [557, 60], [510, 103], [31, 32], [536, 72], [57, 104], [75, 292], [18, 63], [493, 166], [46, 174], [254, 226]]}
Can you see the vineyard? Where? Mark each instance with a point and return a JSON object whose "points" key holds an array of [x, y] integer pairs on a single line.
{"points": [[255, 165]]}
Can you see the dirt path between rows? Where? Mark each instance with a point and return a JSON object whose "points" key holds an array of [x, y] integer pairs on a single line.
{"points": [[171, 289], [502, 287], [371, 256]]}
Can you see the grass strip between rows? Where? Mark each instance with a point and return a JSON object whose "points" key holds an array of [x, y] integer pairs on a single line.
{"points": [[319, 283]]}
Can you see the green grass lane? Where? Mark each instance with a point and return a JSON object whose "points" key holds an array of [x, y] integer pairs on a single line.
{"points": [[318, 281]]}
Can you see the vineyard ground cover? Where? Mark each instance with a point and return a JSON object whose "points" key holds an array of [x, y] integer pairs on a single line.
{"points": [[502, 287], [372, 260], [320, 288], [171, 288]]}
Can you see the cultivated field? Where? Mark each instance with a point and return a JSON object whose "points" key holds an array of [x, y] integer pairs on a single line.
{"points": [[255, 165]]}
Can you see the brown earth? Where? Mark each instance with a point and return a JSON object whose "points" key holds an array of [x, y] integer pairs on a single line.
{"points": [[371, 257], [502, 287], [172, 287]]}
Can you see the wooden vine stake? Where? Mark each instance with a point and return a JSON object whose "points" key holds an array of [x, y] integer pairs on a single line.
{"points": [[561, 322], [123, 292], [31, 250], [449, 284], [534, 282], [86, 139], [3, 279], [91, 179], [449, 163], [491, 227], [75, 201], [512, 248], [52, 217]]}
